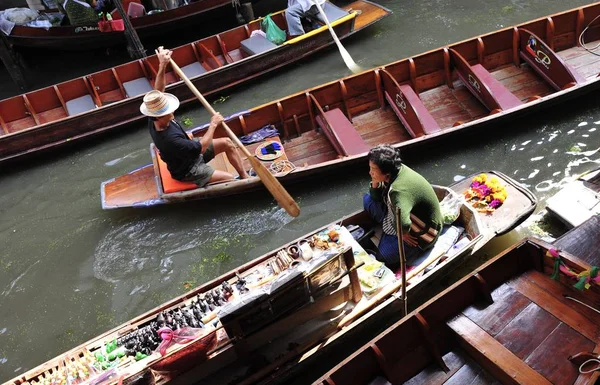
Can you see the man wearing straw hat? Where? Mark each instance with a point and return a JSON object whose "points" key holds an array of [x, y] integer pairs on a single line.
{"points": [[186, 158]]}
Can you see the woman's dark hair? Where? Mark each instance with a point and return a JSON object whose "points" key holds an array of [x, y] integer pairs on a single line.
{"points": [[387, 158]]}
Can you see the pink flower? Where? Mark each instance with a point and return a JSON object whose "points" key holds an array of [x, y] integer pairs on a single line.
{"points": [[495, 203]]}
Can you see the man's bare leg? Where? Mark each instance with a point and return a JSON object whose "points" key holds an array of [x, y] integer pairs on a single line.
{"points": [[226, 145]]}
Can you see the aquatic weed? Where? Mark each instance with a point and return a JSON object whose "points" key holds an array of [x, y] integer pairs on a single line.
{"points": [[187, 122]]}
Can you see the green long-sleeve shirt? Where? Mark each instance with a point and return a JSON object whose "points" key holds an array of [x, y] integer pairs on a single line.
{"points": [[414, 195]]}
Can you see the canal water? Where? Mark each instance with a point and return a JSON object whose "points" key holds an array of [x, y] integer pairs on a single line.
{"points": [[70, 271]]}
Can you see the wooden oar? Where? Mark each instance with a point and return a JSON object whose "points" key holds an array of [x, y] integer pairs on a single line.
{"points": [[271, 183], [345, 55], [363, 307]]}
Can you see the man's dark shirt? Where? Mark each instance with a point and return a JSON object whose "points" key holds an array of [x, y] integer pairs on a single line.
{"points": [[178, 151]]}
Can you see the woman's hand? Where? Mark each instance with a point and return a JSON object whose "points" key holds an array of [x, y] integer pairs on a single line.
{"points": [[410, 240]]}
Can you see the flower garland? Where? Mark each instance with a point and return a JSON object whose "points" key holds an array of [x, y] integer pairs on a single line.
{"points": [[585, 278], [486, 194]]}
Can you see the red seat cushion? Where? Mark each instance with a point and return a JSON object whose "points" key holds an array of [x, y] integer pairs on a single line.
{"points": [[169, 184]]}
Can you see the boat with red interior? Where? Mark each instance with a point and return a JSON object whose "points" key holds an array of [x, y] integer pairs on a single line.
{"points": [[478, 83], [528, 316], [279, 305], [108, 100]]}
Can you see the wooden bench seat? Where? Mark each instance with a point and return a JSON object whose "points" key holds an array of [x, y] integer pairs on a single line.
{"points": [[494, 96], [408, 107], [550, 66], [492, 355], [341, 133]]}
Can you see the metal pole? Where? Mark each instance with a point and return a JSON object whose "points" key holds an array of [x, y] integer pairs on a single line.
{"points": [[134, 45], [9, 58], [402, 260]]}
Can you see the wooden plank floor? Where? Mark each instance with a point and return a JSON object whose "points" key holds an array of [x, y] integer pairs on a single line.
{"points": [[583, 241], [463, 370], [582, 61], [310, 148], [532, 320], [522, 81], [380, 126]]}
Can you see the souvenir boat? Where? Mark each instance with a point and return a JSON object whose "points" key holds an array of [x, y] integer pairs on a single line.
{"points": [[276, 301], [479, 83], [108, 100]]}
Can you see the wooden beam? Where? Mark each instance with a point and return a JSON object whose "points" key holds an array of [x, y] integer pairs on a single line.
{"points": [[544, 298], [492, 355], [430, 341], [134, 45], [8, 57], [354, 281]]}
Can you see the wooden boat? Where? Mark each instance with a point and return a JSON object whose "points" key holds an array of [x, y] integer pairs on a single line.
{"points": [[475, 83], [85, 37], [578, 200], [507, 322], [300, 312], [107, 100]]}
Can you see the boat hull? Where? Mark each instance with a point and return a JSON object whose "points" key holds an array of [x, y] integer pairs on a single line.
{"points": [[69, 38], [421, 101], [117, 115]]}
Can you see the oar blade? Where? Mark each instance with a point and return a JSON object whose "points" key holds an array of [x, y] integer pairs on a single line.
{"points": [[283, 198]]}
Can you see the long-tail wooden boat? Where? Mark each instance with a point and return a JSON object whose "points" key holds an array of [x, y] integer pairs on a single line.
{"points": [[524, 317], [107, 100], [69, 38], [297, 308], [578, 201], [475, 83]]}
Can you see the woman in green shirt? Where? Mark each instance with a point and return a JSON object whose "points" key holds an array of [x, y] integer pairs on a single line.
{"points": [[394, 184]]}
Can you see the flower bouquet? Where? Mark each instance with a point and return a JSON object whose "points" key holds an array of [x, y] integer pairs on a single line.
{"points": [[486, 194]]}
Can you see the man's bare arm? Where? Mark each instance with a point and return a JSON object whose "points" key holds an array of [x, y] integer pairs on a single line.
{"points": [[164, 56]]}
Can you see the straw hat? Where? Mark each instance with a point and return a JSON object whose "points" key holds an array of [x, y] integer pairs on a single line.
{"points": [[157, 104]]}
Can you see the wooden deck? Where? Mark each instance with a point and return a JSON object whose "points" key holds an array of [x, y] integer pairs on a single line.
{"points": [[506, 323], [583, 241]]}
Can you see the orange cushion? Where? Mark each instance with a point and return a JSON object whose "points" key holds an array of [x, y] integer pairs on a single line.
{"points": [[169, 184]]}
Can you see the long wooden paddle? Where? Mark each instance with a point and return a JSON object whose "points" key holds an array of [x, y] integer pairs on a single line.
{"points": [[345, 55], [282, 197]]}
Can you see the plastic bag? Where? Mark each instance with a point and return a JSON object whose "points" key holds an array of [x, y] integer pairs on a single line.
{"points": [[181, 336], [450, 207], [273, 32]]}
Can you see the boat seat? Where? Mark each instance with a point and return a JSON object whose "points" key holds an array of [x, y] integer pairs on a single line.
{"points": [[170, 185], [137, 87], [192, 70], [501, 94], [79, 105], [425, 123], [343, 135], [256, 44], [332, 12]]}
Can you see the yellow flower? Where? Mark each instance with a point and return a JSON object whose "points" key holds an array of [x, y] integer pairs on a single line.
{"points": [[481, 178]]}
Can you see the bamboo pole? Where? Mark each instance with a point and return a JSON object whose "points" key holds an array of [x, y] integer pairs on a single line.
{"points": [[134, 45], [399, 233]]}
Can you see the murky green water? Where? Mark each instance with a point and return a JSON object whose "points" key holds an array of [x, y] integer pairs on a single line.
{"points": [[69, 271]]}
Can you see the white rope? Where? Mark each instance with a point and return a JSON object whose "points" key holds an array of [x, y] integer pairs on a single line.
{"points": [[582, 42], [591, 360], [282, 166]]}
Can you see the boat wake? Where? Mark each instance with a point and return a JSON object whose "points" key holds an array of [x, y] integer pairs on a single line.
{"points": [[151, 246]]}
